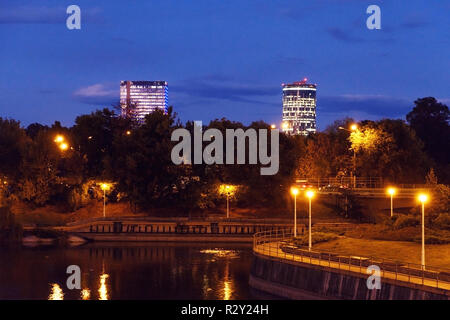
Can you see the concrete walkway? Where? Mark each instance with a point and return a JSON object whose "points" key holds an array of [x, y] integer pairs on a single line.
{"points": [[273, 249]]}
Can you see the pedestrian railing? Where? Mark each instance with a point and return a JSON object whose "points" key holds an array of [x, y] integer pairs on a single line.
{"points": [[279, 244], [173, 228]]}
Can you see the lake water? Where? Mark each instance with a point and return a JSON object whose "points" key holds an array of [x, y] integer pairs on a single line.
{"points": [[129, 271]]}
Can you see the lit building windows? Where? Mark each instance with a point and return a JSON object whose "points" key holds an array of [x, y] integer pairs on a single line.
{"points": [[139, 98], [299, 97]]}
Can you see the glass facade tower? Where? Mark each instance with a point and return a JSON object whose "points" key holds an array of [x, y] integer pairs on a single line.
{"points": [[139, 98], [299, 108]]}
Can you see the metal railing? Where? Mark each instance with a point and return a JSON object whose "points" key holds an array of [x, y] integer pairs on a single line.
{"points": [[279, 244], [355, 182], [172, 228], [350, 182]]}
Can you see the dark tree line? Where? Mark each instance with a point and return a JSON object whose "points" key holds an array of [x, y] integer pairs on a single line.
{"points": [[103, 146]]}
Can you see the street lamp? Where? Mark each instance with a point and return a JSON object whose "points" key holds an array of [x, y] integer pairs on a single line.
{"points": [[273, 126], [104, 187], [423, 198], [228, 190], [310, 195], [353, 128], [391, 192], [294, 192], [59, 139], [63, 146]]}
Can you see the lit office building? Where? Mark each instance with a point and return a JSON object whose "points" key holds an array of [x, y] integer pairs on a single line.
{"points": [[139, 98], [299, 108]]}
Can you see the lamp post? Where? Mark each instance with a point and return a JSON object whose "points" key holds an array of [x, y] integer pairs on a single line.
{"points": [[104, 187], [423, 198], [294, 192], [353, 128], [391, 192], [227, 190], [310, 195]]}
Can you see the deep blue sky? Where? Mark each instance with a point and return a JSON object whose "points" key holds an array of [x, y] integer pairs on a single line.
{"points": [[223, 58]]}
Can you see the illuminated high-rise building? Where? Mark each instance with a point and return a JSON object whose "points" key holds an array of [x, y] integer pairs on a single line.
{"points": [[299, 108], [139, 98]]}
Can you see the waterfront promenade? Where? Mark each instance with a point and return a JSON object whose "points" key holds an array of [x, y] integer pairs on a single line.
{"points": [[278, 245]]}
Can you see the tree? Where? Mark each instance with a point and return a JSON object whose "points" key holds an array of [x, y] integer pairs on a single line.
{"points": [[142, 166], [430, 120], [391, 150], [326, 153], [93, 138], [13, 144]]}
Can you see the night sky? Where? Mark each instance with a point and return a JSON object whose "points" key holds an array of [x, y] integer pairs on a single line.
{"points": [[223, 58]]}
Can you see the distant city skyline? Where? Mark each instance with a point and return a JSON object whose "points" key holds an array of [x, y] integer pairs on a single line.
{"points": [[223, 59]]}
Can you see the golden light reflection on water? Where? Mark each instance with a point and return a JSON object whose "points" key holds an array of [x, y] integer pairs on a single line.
{"points": [[227, 283], [103, 289], [227, 290], [85, 294], [221, 253], [56, 292]]}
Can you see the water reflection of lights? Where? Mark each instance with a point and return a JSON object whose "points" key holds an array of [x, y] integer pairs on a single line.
{"points": [[221, 253], [103, 290], [56, 292], [85, 294], [227, 283], [227, 290]]}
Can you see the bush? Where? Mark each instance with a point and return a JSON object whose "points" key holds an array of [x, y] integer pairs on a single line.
{"points": [[317, 237], [433, 239], [404, 221], [442, 221], [10, 231], [440, 199]]}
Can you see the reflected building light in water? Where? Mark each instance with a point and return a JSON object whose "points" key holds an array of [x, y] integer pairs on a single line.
{"points": [[221, 253], [56, 292], [227, 290], [227, 283], [103, 290], [85, 294]]}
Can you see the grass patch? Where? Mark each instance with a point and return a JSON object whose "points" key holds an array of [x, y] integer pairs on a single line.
{"points": [[317, 237]]}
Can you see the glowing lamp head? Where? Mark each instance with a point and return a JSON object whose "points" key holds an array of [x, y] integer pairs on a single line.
{"points": [[309, 194], [273, 126], [63, 146], [128, 132], [227, 189], [59, 139], [104, 186], [294, 191], [353, 127], [285, 125], [391, 191], [423, 197]]}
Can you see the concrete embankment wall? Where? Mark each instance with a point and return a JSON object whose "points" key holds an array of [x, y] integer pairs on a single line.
{"points": [[295, 280], [136, 237]]}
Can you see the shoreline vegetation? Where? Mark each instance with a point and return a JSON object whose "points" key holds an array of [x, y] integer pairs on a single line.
{"points": [[54, 175]]}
